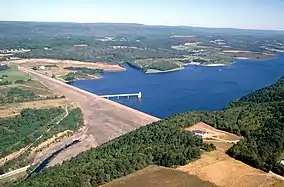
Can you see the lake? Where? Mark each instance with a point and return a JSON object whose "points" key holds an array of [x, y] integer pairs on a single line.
{"points": [[194, 88]]}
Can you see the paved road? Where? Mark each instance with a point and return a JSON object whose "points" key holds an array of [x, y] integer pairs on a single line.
{"points": [[104, 119]]}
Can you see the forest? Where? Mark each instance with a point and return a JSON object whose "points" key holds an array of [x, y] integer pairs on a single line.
{"points": [[159, 143], [17, 132], [22, 135], [165, 143]]}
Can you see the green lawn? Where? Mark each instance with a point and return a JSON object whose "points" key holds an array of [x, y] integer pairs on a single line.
{"points": [[13, 74]]}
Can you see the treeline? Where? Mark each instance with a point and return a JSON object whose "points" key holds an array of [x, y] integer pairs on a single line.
{"points": [[163, 143]]}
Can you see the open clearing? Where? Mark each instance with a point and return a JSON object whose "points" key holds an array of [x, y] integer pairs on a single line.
{"points": [[222, 170], [155, 176]]}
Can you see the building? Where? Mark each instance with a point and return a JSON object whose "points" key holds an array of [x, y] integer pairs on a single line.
{"points": [[198, 133]]}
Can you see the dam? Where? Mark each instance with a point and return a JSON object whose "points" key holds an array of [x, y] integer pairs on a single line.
{"points": [[104, 119]]}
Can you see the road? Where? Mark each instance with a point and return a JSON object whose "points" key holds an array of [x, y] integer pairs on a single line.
{"points": [[15, 172], [104, 119]]}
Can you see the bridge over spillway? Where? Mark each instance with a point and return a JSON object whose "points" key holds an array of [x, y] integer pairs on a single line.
{"points": [[139, 95]]}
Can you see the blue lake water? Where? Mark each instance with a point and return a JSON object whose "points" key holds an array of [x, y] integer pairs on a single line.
{"points": [[194, 88]]}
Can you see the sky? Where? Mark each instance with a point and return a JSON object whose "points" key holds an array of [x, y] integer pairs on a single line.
{"points": [[246, 14]]}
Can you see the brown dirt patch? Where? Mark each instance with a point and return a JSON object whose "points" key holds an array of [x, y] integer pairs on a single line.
{"points": [[222, 170], [155, 176], [213, 132]]}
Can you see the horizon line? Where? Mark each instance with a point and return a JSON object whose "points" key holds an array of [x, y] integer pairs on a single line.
{"points": [[142, 24]]}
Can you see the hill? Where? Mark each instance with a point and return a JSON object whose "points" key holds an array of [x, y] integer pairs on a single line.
{"points": [[166, 143]]}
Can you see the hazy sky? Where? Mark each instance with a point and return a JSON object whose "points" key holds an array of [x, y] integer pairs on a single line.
{"points": [[253, 14]]}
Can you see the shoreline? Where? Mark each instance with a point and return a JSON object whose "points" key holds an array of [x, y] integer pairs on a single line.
{"points": [[152, 71]]}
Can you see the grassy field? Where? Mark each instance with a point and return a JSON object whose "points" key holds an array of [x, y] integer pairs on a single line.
{"points": [[13, 75], [155, 176]]}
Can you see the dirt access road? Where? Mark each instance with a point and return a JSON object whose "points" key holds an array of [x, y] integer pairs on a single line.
{"points": [[104, 119]]}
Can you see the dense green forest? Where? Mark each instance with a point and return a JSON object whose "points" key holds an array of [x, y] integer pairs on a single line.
{"points": [[73, 121], [17, 132], [264, 147], [165, 143]]}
